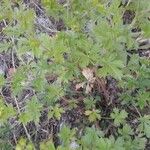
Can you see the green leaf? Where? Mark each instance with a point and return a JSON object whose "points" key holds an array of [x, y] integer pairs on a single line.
{"points": [[111, 66], [66, 135], [146, 28], [93, 115], [56, 112], [47, 145], [53, 93], [90, 139], [143, 99], [19, 79], [6, 112], [32, 112], [126, 131], [4, 46], [145, 125], [118, 116], [89, 103], [25, 118]]}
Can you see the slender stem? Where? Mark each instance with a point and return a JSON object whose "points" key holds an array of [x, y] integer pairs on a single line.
{"points": [[137, 111], [13, 63], [26, 131]]}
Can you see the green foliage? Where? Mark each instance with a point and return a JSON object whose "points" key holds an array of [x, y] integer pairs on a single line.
{"points": [[55, 112], [143, 99], [6, 112], [90, 139], [53, 93], [47, 145], [119, 116], [89, 103], [145, 125], [24, 145], [4, 134], [66, 135], [32, 111], [93, 115], [19, 80], [72, 104], [126, 131], [111, 66], [94, 37]]}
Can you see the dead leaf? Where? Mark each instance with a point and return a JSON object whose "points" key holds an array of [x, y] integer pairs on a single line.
{"points": [[79, 86], [88, 88], [88, 74]]}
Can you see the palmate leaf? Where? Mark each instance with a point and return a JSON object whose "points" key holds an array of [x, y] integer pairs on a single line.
{"points": [[146, 28], [25, 18], [68, 72], [25, 118], [47, 145], [147, 129], [34, 107], [56, 47], [32, 112], [144, 126], [52, 94], [89, 140], [66, 135], [53, 8], [6, 10], [45, 41], [29, 45], [39, 83], [55, 112], [34, 46], [118, 116], [6, 112], [4, 46], [80, 58], [143, 99], [19, 79], [93, 115], [15, 31], [111, 66], [23, 45], [23, 144], [126, 131], [80, 50]]}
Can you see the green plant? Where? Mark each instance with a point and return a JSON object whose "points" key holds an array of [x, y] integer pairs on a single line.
{"points": [[93, 115], [66, 135], [144, 125], [32, 112], [6, 112], [89, 103], [55, 112], [24, 145], [72, 104], [48, 62], [46, 145], [119, 116]]}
